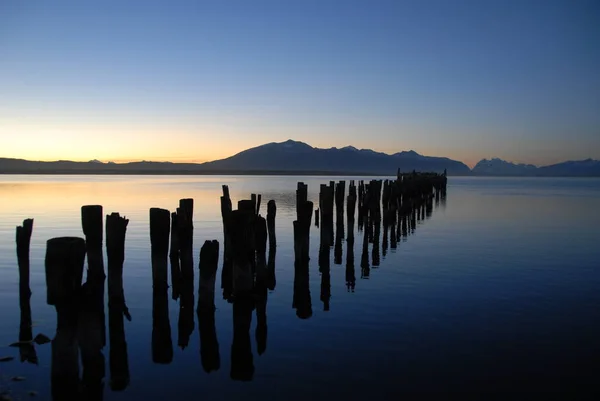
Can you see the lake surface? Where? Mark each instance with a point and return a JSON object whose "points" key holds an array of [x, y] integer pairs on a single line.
{"points": [[499, 290]]}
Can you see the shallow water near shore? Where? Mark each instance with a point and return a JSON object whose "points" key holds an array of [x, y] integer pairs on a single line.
{"points": [[499, 289]]}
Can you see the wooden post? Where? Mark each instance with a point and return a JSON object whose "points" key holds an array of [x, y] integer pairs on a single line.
{"points": [[174, 258], [317, 218], [209, 345], [301, 197], [116, 228], [258, 204], [64, 261], [350, 275], [241, 227], [92, 321], [271, 212], [23, 238], [162, 345], [227, 271], [260, 289], [185, 232]]}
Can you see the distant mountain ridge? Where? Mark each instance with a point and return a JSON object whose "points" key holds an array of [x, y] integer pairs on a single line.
{"points": [[575, 168], [294, 157]]}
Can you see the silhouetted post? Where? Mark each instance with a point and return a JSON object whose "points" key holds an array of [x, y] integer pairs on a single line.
{"points": [[174, 258], [185, 231], [301, 197], [326, 207], [340, 196], [242, 364], [23, 238], [92, 224], [350, 275], [64, 261], [351, 201], [116, 228], [227, 271], [92, 322], [241, 227], [317, 218], [301, 296], [209, 346], [253, 200], [260, 289], [271, 212], [162, 345]]}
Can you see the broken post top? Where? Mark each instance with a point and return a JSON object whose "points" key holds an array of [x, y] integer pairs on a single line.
{"points": [[91, 222]]}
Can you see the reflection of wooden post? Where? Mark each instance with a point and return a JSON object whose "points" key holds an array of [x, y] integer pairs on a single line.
{"points": [[23, 239], [301, 297], [64, 271], [242, 365], [209, 346], [116, 228], [350, 275]]}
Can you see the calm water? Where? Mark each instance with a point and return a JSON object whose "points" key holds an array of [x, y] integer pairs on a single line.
{"points": [[498, 290]]}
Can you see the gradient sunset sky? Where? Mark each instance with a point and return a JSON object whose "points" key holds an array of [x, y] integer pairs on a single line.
{"points": [[201, 80]]}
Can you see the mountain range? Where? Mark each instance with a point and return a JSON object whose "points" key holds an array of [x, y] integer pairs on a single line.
{"points": [[293, 157]]}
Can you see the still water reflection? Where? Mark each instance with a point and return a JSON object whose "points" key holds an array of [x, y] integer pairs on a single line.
{"points": [[497, 289]]}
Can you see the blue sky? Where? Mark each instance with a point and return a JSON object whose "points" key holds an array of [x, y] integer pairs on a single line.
{"points": [[199, 80]]}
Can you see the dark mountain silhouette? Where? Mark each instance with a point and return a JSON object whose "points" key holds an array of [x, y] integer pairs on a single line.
{"points": [[298, 156], [293, 157], [498, 167]]}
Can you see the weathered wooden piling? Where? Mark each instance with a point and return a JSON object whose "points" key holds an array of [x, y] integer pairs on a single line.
{"points": [[174, 258], [317, 213], [162, 345], [340, 196], [185, 233], [241, 231], [326, 207], [260, 289], [351, 201], [209, 259], [23, 239], [160, 220], [116, 228], [350, 274], [301, 197], [271, 213], [92, 320], [64, 261], [209, 345], [227, 271]]}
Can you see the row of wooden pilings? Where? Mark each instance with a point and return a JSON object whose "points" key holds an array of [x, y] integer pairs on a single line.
{"points": [[247, 274]]}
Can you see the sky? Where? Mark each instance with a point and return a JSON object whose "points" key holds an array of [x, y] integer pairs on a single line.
{"points": [[202, 80]]}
